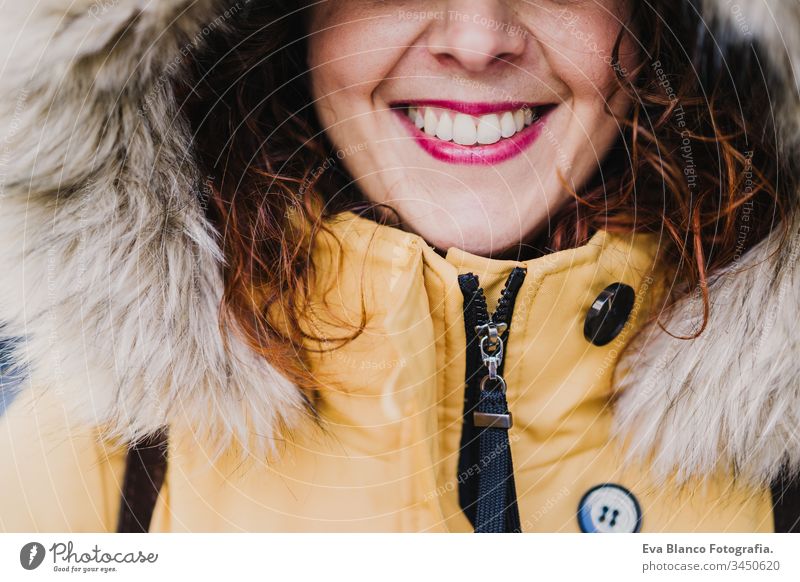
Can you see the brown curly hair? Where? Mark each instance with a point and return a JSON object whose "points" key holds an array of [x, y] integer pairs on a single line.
{"points": [[698, 160]]}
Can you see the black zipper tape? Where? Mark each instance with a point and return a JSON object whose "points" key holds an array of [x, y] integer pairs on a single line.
{"points": [[486, 489]]}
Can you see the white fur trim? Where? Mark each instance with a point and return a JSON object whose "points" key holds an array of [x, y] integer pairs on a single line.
{"points": [[730, 398], [732, 395], [111, 274]]}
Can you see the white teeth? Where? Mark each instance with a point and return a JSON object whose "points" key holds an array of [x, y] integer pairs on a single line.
{"points": [[528, 115], [467, 130], [489, 129], [464, 130], [416, 117], [519, 119], [507, 125], [430, 122], [445, 128]]}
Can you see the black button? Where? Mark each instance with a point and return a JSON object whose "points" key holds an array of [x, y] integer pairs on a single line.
{"points": [[608, 313]]}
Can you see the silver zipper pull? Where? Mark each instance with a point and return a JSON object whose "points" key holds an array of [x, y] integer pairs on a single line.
{"points": [[491, 346]]}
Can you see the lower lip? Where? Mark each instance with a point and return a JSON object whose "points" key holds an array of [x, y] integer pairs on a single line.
{"points": [[478, 155]]}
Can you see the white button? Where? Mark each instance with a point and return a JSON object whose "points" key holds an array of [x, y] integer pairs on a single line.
{"points": [[609, 508]]}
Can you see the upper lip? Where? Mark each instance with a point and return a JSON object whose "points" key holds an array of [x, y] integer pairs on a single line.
{"points": [[469, 107]]}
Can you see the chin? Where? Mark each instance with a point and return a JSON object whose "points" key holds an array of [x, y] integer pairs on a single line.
{"points": [[483, 237]]}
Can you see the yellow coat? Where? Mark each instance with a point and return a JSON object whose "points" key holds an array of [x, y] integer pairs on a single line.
{"points": [[385, 454]]}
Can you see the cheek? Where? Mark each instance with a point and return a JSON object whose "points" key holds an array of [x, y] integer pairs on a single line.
{"points": [[351, 51], [331, 70], [578, 48], [578, 44]]}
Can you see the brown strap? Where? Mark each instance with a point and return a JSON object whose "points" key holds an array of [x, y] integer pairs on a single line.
{"points": [[786, 503], [145, 468]]}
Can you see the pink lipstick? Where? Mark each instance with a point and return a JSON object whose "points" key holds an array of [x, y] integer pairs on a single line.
{"points": [[469, 133]]}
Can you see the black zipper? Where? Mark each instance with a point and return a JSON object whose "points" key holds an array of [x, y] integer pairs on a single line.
{"points": [[486, 489]]}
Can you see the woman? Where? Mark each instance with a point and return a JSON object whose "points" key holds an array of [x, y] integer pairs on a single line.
{"points": [[413, 266]]}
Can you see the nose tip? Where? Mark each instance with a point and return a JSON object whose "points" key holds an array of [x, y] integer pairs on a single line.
{"points": [[476, 39], [473, 52]]}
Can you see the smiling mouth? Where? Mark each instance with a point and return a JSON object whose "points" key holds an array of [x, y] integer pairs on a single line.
{"points": [[473, 133]]}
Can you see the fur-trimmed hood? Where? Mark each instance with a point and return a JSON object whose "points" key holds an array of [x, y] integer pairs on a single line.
{"points": [[112, 276], [732, 395]]}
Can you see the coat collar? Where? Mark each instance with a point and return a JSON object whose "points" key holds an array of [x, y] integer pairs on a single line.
{"points": [[407, 369], [379, 267]]}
